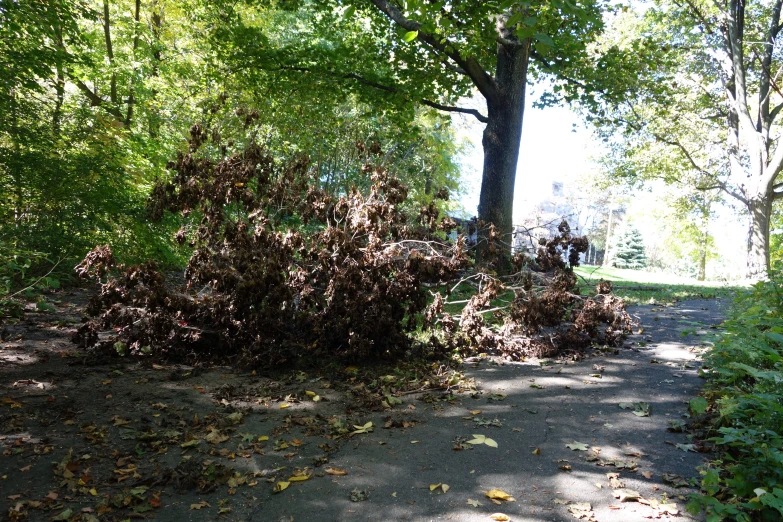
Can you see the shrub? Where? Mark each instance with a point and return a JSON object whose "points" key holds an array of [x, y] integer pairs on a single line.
{"points": [[745, 390]]}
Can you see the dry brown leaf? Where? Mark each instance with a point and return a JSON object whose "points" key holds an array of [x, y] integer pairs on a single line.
{"points": [[215, 437], [336, 471], [626, 495]]}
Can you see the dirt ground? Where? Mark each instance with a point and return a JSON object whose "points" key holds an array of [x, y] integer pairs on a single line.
{"points": [[112, 440]]}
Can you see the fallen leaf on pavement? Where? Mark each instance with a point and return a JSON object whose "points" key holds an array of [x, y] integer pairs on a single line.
{"points": [[280, 486], [367, 428], [497, 494], [675, 480], [577, 446], [499, 516], [336, 472], [215, 437], [581, 510], [614, 481], [235, 418], [474, 503], [626, 495], [191, 443], [200, 505], [481, 439]]}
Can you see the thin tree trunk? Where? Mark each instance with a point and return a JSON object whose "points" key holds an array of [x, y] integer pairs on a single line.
{"points": [[702, 262], [109, 51], [16, 175], [704, 244], [131, 97], [607, 262], [59, 82], [157, 58]]}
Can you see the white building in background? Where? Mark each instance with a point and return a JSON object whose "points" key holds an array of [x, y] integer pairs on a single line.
{"points": [[542, 220]]}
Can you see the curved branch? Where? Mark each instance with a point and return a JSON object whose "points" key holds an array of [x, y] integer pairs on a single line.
{"points": [[95, 100], [473, 112], [481, 79], [353, 76]]}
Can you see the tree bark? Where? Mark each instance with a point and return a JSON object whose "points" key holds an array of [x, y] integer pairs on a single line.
{"points": [[502, 137], [759, 212]]}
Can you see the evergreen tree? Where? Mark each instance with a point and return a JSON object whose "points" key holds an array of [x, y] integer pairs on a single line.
{"points": [[629, 250]]}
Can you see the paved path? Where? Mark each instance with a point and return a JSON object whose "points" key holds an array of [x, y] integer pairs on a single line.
{"points": [[573, 405], [532, 411]]}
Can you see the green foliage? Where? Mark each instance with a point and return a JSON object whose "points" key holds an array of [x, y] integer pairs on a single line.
{"points": [[745, 388], [25, 273], [628, 250]]}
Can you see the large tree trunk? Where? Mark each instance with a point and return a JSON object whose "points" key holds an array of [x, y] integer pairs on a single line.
{"points": [[759, 212], [501, 140]]}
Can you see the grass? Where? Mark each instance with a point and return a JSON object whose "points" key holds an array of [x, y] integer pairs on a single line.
{"points": [[641, 287]]}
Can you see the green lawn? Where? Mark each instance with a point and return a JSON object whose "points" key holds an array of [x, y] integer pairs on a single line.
{"points": [[640, 287]]}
